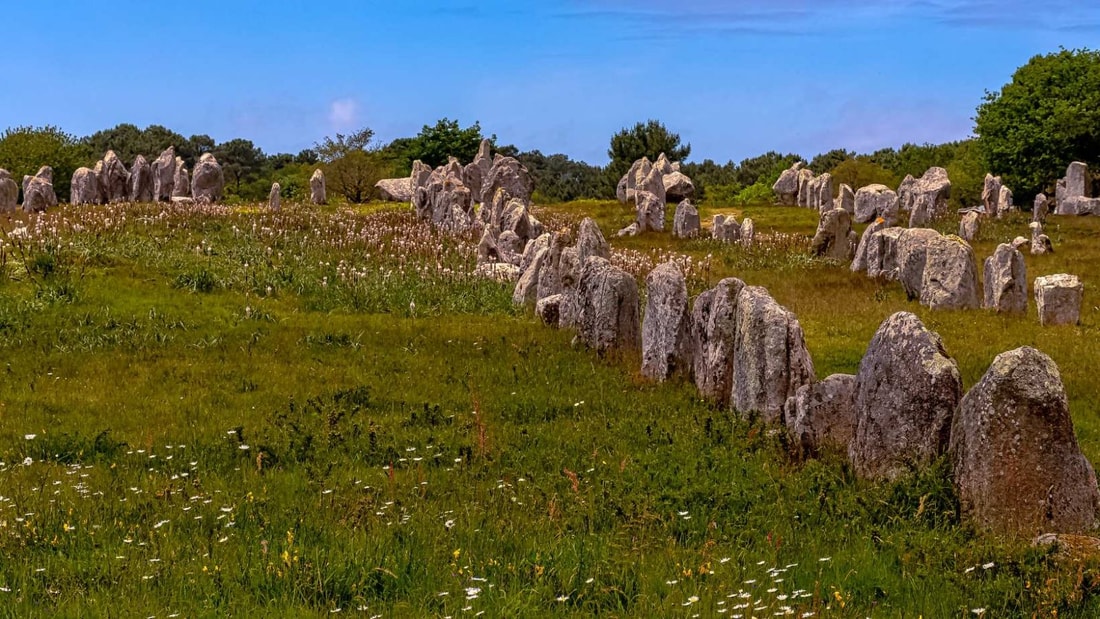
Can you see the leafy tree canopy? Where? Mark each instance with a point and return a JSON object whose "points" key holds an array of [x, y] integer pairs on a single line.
{"points": [[648, 139], [23, 150], [1045, 118]]}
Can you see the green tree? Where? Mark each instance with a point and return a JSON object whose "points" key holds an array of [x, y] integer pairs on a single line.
{"points": [[648, 139], [763, 167], [1045, 118], [241, 161], [827, 161], [436, 143], [862, 171], [560, 179], [353, 164], [23, 150]]}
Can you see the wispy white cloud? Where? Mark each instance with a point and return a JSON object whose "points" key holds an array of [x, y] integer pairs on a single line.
{"points": [[343, 113]]}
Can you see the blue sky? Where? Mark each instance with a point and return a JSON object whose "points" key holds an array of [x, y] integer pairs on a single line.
{"points": [[734, 78]]}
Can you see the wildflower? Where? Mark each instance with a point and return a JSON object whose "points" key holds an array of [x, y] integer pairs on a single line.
{"points": [[30, 437]]}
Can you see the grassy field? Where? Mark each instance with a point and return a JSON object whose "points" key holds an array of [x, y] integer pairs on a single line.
{"points": [[233, 412]]}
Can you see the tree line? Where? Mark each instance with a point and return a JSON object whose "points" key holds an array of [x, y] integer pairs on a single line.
{"points": [[1028, 132]]}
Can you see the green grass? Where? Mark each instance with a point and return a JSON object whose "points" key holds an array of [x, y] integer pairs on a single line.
{"points": [[241, 413]]}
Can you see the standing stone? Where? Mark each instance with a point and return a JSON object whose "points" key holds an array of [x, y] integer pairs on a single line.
{"points": [[114, 179], [164, 175], [390, 189], [725, 229], [624, 191], [930, 194], [141, 181], [181, 182], [786, 188], [907, 390], [824, 201], [846, 200], [1005, 281], [905, 193], [805, 183], [666, 333], [207, 182], [1077, 180], [835, 238], [274, 200], [38, 193], [649, 198], [607, 307], [969, 226], [1018, 469], [317, 194], [685, 223], [860, 261], [1040, 243], [912, 252], [950, 277], [822, 415], [747, 234], [591, 242], [1040, 209], [991, 193], [84, 188], [9, 192], [1004, 202], [713, 331], [770, 360], [875, 201], [509, 174], [882, 253], [678, 187], [1058, 298], [549, 310], [551, 276], [527, 288]]}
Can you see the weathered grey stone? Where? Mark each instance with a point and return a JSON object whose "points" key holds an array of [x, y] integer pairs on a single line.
{"points": [[1079, 205], [907, 390], [498, 271], [9, 192], [517, 218], [1018, 469], [882, 253], [846, 199], [549, 310], [607, 307], [393, 189], [678, 187], [444, 200], [1004, 202], [666, 333], [912, 246], [317, 193], [207, 181], [1019, 242], [181, 181], [991, 193], [805, 185], [822, 415], [1078, 182], [663, 165], [725, 229], [532, 248], [824, 201], [274, 199], [747, 234], [511, 247], [1005, 281], [650, 211], [905, 193], [509, 174], [970, 225], [833, 238], [526, 292], [38, 193], [950, 277], [141, 181], [164, 175], [786, 188], [1040, 243], [770, 360], [84, 188], [713, 334], [631, 230], [551, 274], [930, 193], [861, 260], [624, 191], [1040, 209], [114, 180], [591, 242], [685, 222], [1058, 298]]}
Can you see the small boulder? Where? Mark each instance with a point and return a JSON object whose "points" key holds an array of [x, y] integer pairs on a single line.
{"points": [[84, 188], [1040, 243], [822, 415], [834, 238], [678, 187], [498, 271], [912, 252], [1018, 469], [907, 390], [929, 194], [876, 201], [1005, 281], [861, 260], [392, 189], [970, 225], [725, 229], [631, 230], [1058, 298], [549, 310]]}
